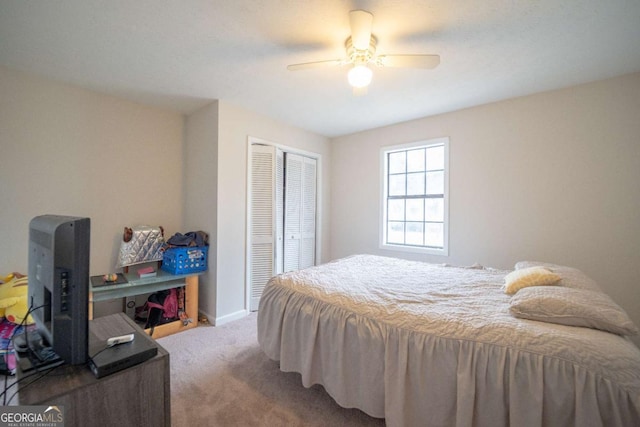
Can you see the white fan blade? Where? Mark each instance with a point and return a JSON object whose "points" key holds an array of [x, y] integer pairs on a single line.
{"points": [[361, 22], [316, 64], [409, 61]]}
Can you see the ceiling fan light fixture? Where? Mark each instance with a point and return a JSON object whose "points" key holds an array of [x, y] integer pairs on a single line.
{"points": [[360, 48], [360, 76]]}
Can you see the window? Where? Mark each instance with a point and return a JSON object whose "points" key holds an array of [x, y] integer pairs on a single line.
{"points": [[414, 197]]}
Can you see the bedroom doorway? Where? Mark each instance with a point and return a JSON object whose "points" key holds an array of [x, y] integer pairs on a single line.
{"points": [[281, 213]]}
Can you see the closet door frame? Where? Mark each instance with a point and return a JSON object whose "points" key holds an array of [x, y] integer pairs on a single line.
{"points": [[318, 243]]}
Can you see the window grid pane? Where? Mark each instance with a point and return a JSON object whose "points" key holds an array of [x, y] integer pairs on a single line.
{"points": [[416, 160], [397, 162], [397, 185], [435, 182], [435, 158], [414, 233], [415, 183], [415, 209], [395, 232], [395, 209], [415, 197]]}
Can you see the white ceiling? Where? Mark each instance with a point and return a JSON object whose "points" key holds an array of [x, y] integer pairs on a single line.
{"points": [[183, 53]]}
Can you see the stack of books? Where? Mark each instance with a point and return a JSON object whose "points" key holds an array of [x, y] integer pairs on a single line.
{"points": [[147, 272]]}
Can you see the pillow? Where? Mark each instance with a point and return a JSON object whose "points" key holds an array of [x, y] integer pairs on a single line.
{"points": [[572, 307], [571, 277], [532, 276]]}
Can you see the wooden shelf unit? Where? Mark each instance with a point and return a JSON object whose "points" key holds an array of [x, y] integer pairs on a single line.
{"points": [[162, 281]]}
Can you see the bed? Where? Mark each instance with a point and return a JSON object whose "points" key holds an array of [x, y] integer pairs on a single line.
{"points": [[436, 345]]}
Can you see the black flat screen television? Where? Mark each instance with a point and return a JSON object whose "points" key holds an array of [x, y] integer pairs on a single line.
{"points": [[58, 291]]}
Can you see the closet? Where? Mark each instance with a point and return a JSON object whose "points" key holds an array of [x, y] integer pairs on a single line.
{"points": [[282, 211]]}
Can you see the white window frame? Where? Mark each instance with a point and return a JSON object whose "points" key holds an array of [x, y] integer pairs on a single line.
{"points": [[444, 251]]}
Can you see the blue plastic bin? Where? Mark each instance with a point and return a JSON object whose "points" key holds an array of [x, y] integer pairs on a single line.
{"points": [[185, 260]]}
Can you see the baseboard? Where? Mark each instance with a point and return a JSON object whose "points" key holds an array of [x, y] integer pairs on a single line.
{"points": [[230, 317]]}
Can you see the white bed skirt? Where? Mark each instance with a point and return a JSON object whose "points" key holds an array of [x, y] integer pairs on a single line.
{"points": [[416, 379]]}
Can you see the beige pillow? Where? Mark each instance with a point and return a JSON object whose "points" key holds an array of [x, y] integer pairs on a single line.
{"points": [[572, 307], [570, 277], [532, 276]]}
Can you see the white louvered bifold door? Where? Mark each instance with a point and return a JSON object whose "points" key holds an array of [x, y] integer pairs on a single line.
{"points": [[308, 244], [282, 216], [300, 212], [263, 223], [292, 211], [279, 237]]}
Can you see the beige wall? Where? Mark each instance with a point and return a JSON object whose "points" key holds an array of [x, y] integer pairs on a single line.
{"points": [[224, 295], [201, 191], [69, 151], [552, 177]]}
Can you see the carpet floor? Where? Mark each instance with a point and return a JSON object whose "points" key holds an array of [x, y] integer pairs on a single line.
{"points": [[221, 377]]}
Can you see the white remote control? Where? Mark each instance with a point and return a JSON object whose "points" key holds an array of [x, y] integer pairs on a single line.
{"points": [[119, 340]]}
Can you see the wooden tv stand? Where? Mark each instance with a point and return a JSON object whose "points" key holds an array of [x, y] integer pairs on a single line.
{"points": [[136, 396], [162, 281]]}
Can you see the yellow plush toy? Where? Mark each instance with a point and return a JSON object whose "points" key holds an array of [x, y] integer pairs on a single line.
{"points": [[13, 298]]}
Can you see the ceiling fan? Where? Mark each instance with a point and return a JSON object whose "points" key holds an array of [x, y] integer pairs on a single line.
{"points": [[361, 55]]}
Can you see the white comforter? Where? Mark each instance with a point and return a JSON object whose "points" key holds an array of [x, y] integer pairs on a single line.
{"points": [[425, 344]]}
